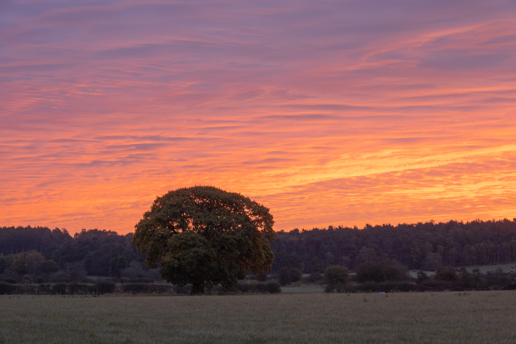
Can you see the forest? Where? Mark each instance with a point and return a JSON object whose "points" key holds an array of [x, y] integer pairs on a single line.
{"points": [[53, 254]]}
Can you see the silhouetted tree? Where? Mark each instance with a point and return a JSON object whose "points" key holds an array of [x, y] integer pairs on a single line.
{"points": [[206, 236]]}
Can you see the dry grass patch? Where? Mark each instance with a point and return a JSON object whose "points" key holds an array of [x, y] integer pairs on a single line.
{"points": [[472, 317]]}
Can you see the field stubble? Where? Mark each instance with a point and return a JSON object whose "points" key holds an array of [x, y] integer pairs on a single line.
{"points": [[448, 317]]}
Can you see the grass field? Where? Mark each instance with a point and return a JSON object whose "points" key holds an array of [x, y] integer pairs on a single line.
{"points": [[448, 317]]}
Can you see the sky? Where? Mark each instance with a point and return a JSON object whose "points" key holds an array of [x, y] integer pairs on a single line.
{"points": [[326, 112]]}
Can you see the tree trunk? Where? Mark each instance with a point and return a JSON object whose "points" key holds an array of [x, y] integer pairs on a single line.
{"points": [[197, 289]]}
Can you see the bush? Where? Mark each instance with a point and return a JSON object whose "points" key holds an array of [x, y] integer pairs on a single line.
{"points": [[284, 276], [60, 288], [295, 275], [273, 287], [446, 274], [470, 281], [384, 271], [59, 276], [258, 287], [49, 267], [313, 277], [243, 287], [142, 280], [135, 288], [185, 289], [253, 287], [336, 275], [80, 289], [6, 288], [148, 288], [105, 287], [261, 277], [421, 277], [45, 289]]}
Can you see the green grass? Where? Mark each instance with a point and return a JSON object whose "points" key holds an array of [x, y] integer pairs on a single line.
{"points": [[466, 317]]}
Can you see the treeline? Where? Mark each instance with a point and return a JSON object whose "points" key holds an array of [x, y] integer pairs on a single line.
{"points": [[427, 246], [54, 255]]}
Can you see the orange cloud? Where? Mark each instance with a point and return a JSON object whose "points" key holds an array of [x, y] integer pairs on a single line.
{"points": [[328, 113]]}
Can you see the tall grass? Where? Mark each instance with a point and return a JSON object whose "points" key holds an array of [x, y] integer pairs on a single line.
{"points": [[471, 317]]}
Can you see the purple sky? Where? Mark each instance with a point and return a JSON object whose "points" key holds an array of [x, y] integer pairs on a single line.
{"points": [[327, 112]]}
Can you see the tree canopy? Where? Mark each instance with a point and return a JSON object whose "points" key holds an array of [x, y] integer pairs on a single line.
{"points": [[206, 236]]}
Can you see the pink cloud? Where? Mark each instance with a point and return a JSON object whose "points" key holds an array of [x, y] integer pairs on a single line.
{"points": [[344, 112]]}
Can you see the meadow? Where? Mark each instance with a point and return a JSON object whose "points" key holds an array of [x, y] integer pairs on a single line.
{"points": [[446, 317]]}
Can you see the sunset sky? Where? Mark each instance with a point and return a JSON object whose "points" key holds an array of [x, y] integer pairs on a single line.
{"points": [[327, 112]]}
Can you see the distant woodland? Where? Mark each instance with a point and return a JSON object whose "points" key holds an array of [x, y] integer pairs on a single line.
{"points": [[54, 254], [426, 246]]}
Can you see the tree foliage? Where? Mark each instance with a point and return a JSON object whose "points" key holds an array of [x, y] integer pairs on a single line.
{"points": [[104, 253], [383, 271], [423, 245], [206, 236], [417, 246], [336, 275]]}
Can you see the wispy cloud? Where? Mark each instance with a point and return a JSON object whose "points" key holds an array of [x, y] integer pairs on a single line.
{"points": [[327, 112]]}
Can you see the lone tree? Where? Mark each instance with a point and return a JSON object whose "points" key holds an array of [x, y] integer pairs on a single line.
{"points": [[206, 236]]}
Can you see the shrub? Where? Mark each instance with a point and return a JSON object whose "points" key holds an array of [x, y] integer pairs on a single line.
{"points": [[243, 287], [185, 289], [49, 267], [261, 277], [295, 275], [59, 276], [258, 288], [313, 277], [421, 277], [135, 288], [446, 274], [384, 271], [105, 287], [142, 280], [44, 289], [284, 276], [80, 289], [273, 287], [470, 281], [60, 288], [336, 275], [6, 288], [218, 290]]}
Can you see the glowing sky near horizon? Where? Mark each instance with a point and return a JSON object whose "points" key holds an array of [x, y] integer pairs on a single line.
{"points": [[327, 112]]}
